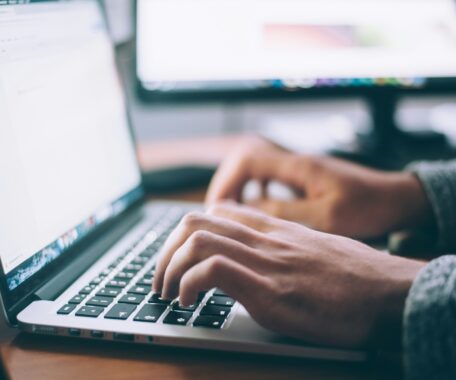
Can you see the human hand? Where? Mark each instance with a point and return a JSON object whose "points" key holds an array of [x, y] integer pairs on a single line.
{"points": [[298, 282], [333, 195]]}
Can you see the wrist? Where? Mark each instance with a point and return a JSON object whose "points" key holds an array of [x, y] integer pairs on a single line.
{"points": [[393, 292], [408, 201]]}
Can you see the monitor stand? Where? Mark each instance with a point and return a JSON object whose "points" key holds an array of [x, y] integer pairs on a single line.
{"points": [[387, 146]]}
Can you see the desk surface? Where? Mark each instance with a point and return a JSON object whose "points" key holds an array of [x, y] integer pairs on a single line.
{"points": [[40, 357]]}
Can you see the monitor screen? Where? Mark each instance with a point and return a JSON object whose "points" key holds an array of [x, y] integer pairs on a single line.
{"points": [[201, 45], [67, 159]]}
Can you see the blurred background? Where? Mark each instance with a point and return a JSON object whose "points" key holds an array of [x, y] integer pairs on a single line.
{"points": [[373, 81]]}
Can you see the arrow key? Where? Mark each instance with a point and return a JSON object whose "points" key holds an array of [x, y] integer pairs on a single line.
{"points": [[120, 311]]}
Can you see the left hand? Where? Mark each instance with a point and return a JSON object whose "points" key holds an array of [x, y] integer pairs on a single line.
{"points": [[310, 285]]}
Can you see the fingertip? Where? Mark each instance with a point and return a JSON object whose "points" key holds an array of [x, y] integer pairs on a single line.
{"points": [[167, 291], [157, 284], [164, 294], [184, 303], [187, 300]]}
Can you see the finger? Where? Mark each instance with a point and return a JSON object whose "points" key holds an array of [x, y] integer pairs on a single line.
{"points": [[240, 282], [245, 215], [230, 179], [199, 222], [199, 247], [304, 211]]}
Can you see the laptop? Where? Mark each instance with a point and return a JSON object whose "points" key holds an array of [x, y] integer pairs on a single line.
{"points": [[78, 240]]}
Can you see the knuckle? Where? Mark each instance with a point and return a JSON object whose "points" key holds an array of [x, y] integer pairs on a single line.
{"points": [[242, 159], [199, 240], [215, 265], [309, 163], [217, 209], [192, 220]]}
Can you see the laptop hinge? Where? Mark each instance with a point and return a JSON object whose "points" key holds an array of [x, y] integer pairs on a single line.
{"points": [[60, 282]]}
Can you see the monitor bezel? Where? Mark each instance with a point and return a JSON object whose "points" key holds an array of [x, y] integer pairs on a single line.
{"points": [[433, 86], [13, 301]]}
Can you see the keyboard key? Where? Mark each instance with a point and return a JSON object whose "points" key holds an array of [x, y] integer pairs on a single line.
{"points": [[148, 276], [156, 298], [117, 284], [115, 263], [97, 280], [177, 318], [144, 290], [105, 272], [132, 268], [218, 311], [178, 307], [124, 276], [220, 292], [151, 250], [134, 299], [66, 309], [120, 311], [99, 301], [140, 260], [109, 292], [89, 311], [77, 299], [147, 254], [220, 301], [150, 313], [209, 321], [145, 282], [87, 289]]}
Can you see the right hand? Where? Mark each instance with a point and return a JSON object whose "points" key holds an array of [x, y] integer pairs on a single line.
{"points": [[298, 282], [334, 196]]}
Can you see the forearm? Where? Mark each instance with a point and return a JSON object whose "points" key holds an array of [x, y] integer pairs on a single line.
{"points": [[429, 338]]}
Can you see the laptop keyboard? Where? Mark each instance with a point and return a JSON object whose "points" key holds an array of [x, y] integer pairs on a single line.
{"points": [[123, 291]]}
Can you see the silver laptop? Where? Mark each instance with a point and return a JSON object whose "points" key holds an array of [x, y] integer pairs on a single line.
{"points": [[77, 241]]}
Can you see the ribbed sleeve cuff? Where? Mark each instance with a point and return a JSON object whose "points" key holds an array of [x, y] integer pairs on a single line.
{"points": [[430, 323], [439, 182]]}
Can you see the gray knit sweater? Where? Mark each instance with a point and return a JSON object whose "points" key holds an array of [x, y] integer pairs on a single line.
{"points": [[430, 313]]}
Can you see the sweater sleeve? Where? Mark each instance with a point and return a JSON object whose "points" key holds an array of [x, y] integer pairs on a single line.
{"points": [[439, 183], [429, 338]]}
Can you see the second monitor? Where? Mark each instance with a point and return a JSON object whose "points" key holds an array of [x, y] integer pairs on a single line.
{"points": [[259, 47]]}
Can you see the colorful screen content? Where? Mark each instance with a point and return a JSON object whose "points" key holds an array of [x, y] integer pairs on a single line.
{"points": [[67, 160], [232, 44]]}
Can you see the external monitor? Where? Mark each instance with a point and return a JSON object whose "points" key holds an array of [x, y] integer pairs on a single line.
{"points": [[221, 48]]}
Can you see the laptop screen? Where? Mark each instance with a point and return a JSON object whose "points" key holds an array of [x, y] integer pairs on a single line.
{"points": [[67, 159]]}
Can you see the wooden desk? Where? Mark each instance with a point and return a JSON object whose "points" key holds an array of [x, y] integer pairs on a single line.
{"points": [[27, 357]]}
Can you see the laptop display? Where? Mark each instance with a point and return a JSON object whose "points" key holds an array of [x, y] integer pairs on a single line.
{"points": [[63, 127]]}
